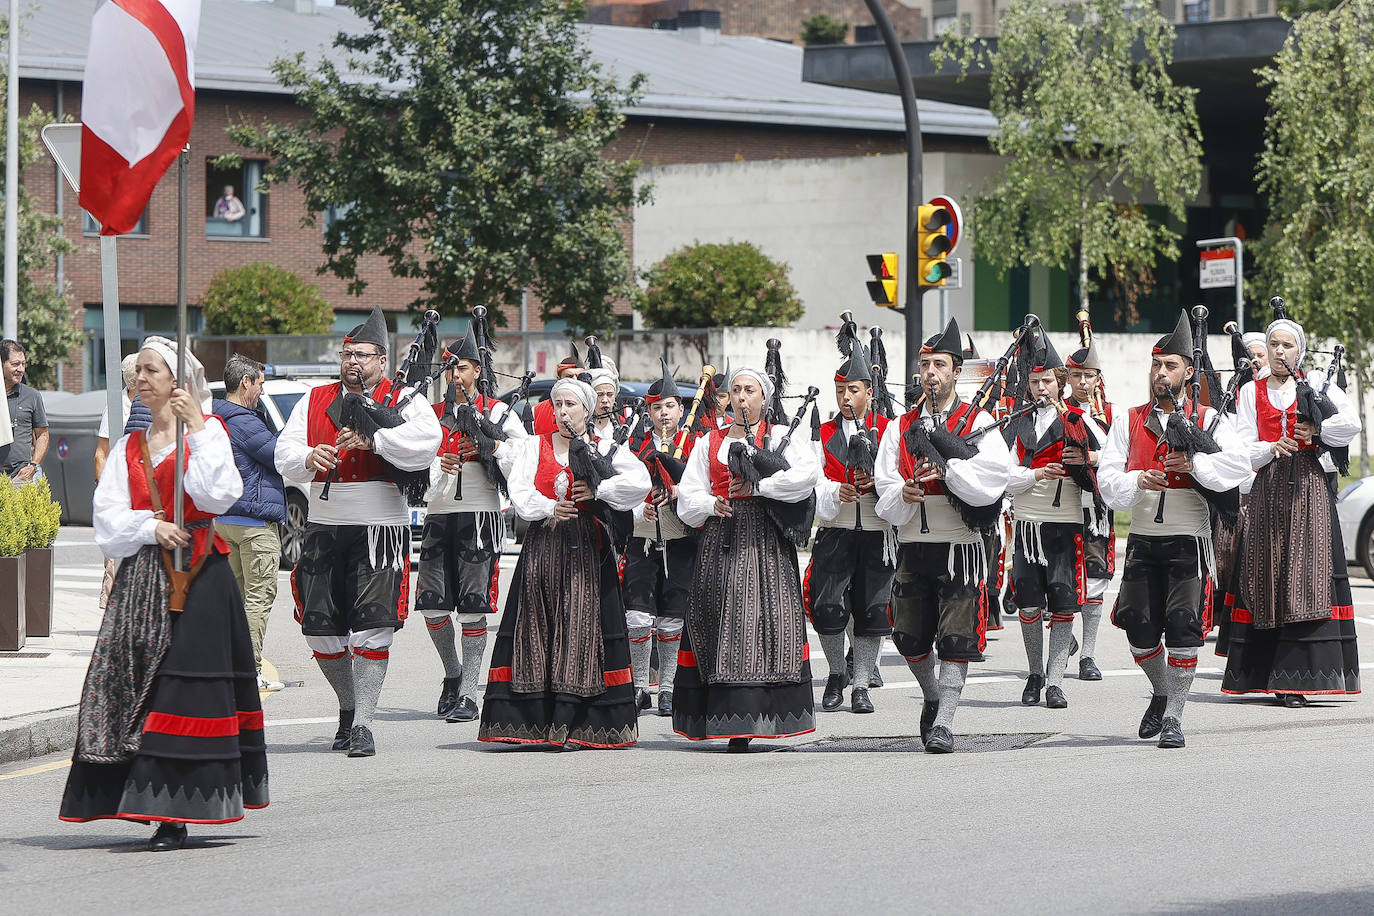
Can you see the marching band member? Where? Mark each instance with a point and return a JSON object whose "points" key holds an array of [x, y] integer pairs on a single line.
{"points": [[1085, 394]]}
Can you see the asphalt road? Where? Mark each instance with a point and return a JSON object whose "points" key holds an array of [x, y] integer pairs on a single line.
{"points": [[1267, 811]]}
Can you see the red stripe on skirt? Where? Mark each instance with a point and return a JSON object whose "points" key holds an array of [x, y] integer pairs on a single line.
{"points": [[164, 723], [617, 677], [499, 675]]}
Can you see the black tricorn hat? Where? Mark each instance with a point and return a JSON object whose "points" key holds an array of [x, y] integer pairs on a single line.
{"points": [[1045, 355], [665, 387], [858, 368], [970, 351], [465, 347], [372, 331], [1180, 341], [571, 361], [950, 341], [1084, 358]]}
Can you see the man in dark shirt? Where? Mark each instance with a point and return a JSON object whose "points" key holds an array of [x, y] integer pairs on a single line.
{"points": [[21, 459]]}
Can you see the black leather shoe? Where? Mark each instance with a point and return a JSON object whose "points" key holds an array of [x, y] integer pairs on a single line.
{"points": [[940, 741], [167, 837], [859, 701], [928, 712], [1172, 733], [1073, 644], [345, 726], [465, 711], [1153, 720], [665, 702], [738, 746], [833, 697], [642, 698], [1031, 695], [876, 678], [360, 743], [1055, 699], [1293, 700], [448, 696], [1088, 670]]}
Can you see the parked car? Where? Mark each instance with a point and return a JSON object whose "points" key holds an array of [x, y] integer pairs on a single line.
{"points": [[1355, 510], [540, 388]]}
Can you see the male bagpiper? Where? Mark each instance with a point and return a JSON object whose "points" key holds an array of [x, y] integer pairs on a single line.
{"points": [[1087, 395], [941, 492], [661, 555], [1049, 556], [849, 577], [460, 545], [1169, 550]]}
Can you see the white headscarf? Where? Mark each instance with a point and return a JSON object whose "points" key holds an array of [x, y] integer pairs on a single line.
{"points": [[578, 387], [1251, 338], [757, 375], [604, 377], [1292, 327], [194, 383]]}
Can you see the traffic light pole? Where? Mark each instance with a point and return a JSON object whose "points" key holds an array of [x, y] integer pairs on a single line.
{"points": [[915, 333]]}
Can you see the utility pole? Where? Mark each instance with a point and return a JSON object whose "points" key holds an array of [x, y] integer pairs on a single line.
{"points": [[915, 332]]}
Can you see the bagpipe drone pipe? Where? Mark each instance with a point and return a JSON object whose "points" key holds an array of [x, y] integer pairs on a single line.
{"points": [[752, 465]]}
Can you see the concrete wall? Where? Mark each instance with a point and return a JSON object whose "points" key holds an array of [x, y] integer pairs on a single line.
{"points": [[821, 216]]}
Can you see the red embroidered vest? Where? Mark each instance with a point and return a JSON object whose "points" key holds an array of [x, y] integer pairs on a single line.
{"points": [[203, 540], [1272, 422], [546, 473], [1147, 451], [544, 421], [955, 423], [834, 468], [720, 471], [355, 465], [682, 438]]}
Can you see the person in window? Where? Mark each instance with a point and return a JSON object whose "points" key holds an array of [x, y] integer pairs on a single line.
{"points": [[229, 208]]}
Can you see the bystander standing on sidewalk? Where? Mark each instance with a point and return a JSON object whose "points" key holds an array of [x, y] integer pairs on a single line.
{"points": [[250, 525], [21, 459]]}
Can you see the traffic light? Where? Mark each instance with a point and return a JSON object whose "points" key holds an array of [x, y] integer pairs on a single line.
{"points": [[882, 289], [933, 244]]}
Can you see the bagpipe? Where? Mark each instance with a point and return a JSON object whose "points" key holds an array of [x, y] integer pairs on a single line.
{"points": [[365, 416], [469, 419], [1097, 403], [1183, 431], [752, 464], [706, 395]]}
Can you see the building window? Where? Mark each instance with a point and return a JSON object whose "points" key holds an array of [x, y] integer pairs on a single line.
{"points": [[91, 226], [332, 214], [135, 323], [234, 207], [1261, 7], [1197, 11], [945, 24]]}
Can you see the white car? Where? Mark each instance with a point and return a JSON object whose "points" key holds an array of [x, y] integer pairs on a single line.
{"points": [[1355, 510]]}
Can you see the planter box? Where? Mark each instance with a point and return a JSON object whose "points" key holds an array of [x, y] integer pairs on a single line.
{"points": [[38, 583], [12, 616]]}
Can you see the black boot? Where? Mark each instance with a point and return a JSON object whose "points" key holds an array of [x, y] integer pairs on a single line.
{"points": [[737, 746], [465, 711], [833, 697], [1031, 695], [1088, 670], [642, 699], [859, 701], [1171, 735], [449, 694], [665, 702], [940, 741], [1055, 699], [1153, 720], [167, 837], [360, 743], [345, 726], [928, 711], [1292, 700]]}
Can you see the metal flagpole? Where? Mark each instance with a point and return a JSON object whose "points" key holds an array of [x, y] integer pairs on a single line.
{"points": [[109, 290], [177, 500], [11, 304]]}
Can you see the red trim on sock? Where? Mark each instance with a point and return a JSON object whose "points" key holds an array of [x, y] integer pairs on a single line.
{"points": [[475, 631], [330, 656], [1154, 653], [437, 623], [376, 655], [1182, 661]]}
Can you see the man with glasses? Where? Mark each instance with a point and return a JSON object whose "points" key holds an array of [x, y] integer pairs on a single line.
{"points": [[352, 580]]}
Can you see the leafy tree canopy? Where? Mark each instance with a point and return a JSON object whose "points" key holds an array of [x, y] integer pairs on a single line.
{"points": [[820, 29], [1093, 128], [463, 143], [263, 298], [719, 285]]}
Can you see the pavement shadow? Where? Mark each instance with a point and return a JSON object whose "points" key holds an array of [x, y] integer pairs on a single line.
{"points": [[1089, 741], [1352, 900], [120, 845]]}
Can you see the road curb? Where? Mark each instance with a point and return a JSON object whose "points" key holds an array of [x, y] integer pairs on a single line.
{"points": [[37, 734]]}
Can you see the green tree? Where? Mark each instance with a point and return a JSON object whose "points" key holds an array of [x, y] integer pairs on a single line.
{"points": [[1317, 173], [463, 143], [262, 298], [820, 29], [716, 286], [1092, 128], [46, 328]]}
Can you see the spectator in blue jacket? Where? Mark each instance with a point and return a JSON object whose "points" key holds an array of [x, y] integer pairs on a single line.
{"points": [[250, 527]]}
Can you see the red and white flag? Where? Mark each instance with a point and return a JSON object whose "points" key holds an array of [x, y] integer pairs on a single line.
{"points": [[138, 100]]}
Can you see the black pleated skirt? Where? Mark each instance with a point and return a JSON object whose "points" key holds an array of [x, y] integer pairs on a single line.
{"points": [[202, 759], [608, 719]]}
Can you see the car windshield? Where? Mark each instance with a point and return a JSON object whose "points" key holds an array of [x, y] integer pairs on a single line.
{"points": [[286, 402]]}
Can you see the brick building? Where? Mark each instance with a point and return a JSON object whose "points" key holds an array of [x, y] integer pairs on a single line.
{"points": [[780, 20], [714, 107]]}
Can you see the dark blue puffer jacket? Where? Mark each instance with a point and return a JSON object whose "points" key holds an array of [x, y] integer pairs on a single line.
{"points": [[264, 496]]}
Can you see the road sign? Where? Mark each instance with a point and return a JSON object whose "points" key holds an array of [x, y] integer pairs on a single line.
{"points": [[64, 142], [1217, 268], [957, 219]]}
